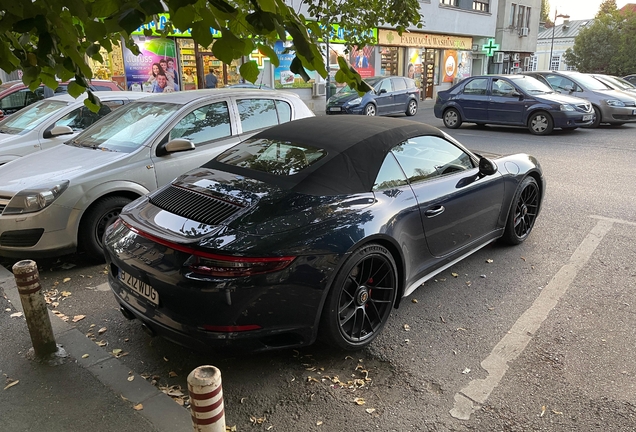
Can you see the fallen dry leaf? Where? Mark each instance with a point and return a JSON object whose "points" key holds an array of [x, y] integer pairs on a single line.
{"points": [[130, 378], [489, 261], [16, 315], [542, 411], [319, 422], [407, 327], [465, 371], [139, 407], [165, 359], [101, 343], [454, 275], [11, 384], [101, 330], [65, 293], [370, 410], [172, 374], [442, 319], [117, 351], [66, 279], [85, 356], [77, 318], [359, 401], [414, 301], [557, 412]]}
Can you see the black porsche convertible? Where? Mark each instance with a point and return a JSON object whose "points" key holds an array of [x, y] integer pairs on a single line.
{"points": [[314, 228]]}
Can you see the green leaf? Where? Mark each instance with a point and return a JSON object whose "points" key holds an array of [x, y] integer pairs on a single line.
{"points": [[74, 89], [104, 8], [131, 20], [201, 33], [223, 48], [95, 30], [249, 71], [223, 6], [297, 68], [268, 5], [184, 17], [49, 80], [92, 102], [269, 52], [30, 76]]}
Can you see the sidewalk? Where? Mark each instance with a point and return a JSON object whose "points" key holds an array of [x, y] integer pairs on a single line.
{"points": [[90, 391]]}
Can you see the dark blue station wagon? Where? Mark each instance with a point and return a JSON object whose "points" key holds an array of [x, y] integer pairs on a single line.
{"points": [[515, 100]]}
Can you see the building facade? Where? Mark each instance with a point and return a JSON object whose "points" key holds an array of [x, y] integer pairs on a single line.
{"points": [[516, 35], [556, 39]]}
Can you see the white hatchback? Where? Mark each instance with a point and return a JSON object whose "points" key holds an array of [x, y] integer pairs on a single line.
{"points": [[52, 121], [56, 200]]}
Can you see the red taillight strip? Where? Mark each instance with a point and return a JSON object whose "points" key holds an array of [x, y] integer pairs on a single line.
{"points": [[203, 254]]}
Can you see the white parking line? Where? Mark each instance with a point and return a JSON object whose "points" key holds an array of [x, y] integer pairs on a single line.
{"points": [[470, 398]]}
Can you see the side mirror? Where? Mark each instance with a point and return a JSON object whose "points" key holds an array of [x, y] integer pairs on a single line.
{"points": [[487, 167], [382, 91], [179, 145], [57, 131], [515, 93]]}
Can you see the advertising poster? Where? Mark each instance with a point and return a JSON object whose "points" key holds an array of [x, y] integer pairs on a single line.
{"points": [[283, 77], [464, 60], [450, 65], [363, 60], [154, 70], [414, 68]]}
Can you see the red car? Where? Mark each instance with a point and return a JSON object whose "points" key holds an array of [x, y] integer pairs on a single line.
{"points": [[14, 95]]}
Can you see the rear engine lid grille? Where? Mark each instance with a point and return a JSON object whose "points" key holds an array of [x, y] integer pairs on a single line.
{"points": [[193, 205]]}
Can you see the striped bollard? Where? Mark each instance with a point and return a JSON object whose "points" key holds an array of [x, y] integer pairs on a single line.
{"points": [[27, 279], [206, 399]]}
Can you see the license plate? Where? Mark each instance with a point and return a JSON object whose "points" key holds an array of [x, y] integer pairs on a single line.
{"points": [[139, 287], [588, 117], [335, 109]]}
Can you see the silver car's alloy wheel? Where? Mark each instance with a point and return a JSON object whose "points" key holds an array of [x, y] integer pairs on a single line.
{"points": [[411, 110]]}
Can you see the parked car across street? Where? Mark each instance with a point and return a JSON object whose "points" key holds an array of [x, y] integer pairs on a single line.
{"points": [[388, 95], [313, 228], [610, 106], [57, 200], [514, 100]]}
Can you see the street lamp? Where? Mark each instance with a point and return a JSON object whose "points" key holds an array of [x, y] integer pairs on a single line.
{"points": [[553, 28]]}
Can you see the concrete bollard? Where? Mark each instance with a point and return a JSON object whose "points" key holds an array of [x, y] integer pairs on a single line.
{"points": [[206, 399], [36, 313]]}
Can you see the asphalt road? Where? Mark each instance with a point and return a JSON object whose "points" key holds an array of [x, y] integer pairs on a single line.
{"points": [[534, 337]]}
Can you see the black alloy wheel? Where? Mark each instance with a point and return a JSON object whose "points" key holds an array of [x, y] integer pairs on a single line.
{"points": [[523, 213], [360, 301], [97, 218]]}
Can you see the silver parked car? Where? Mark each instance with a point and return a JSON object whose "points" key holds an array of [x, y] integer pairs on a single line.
{"points": [[52, 121], [616, 83], [610, 106], [57, 200]]}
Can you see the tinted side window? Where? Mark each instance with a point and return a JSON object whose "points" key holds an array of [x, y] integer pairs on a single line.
{"points": [[410, 83], [14, 101], [284, 111], [204, 124], [399, 84], [390, 175], [502, 88], [102, 88], [477, 86], [428, 157], [384, 84], [257, 113]]}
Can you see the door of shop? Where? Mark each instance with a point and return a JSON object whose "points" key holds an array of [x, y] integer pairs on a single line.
{"points": [[226, 74], [429, 73]]}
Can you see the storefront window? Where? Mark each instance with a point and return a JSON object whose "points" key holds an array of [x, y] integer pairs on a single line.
{"points": [[188, 70], [389, 63], [112, 68], [227, 74]]}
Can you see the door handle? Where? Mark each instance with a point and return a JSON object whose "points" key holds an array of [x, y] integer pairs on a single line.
{"points": [[434, 211]]}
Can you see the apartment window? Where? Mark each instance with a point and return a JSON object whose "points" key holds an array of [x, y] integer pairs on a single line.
{"points": [[528, 16], [520, 12], [481, 5], [555, 63], [448, 2], [534, 61], [513, 11]]}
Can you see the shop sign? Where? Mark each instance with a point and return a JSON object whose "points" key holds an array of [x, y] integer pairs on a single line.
{"points": [[490, 47], [424, 40], [340, 35], [158, 27]]}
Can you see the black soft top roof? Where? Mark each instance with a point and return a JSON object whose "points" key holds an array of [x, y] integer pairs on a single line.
{"points": [[356, 147]]}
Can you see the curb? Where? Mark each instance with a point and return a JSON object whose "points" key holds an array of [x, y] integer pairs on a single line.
{"points": [[159, 409]]}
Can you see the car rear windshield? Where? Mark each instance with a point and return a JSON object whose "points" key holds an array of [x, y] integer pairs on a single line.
{"points": [[128, 128], [30, 117], [281, 158]]}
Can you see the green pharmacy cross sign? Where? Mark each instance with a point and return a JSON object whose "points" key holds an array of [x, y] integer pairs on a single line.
{"points": [[490, 48]]}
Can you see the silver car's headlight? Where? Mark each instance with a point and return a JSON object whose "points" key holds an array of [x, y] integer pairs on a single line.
{"points": [[567, 108], [614, 102], [355, 101], [35, 199]]}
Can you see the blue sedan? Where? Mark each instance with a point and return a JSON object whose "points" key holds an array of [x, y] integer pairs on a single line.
{"points": [[388, 95], [515, 100]]}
